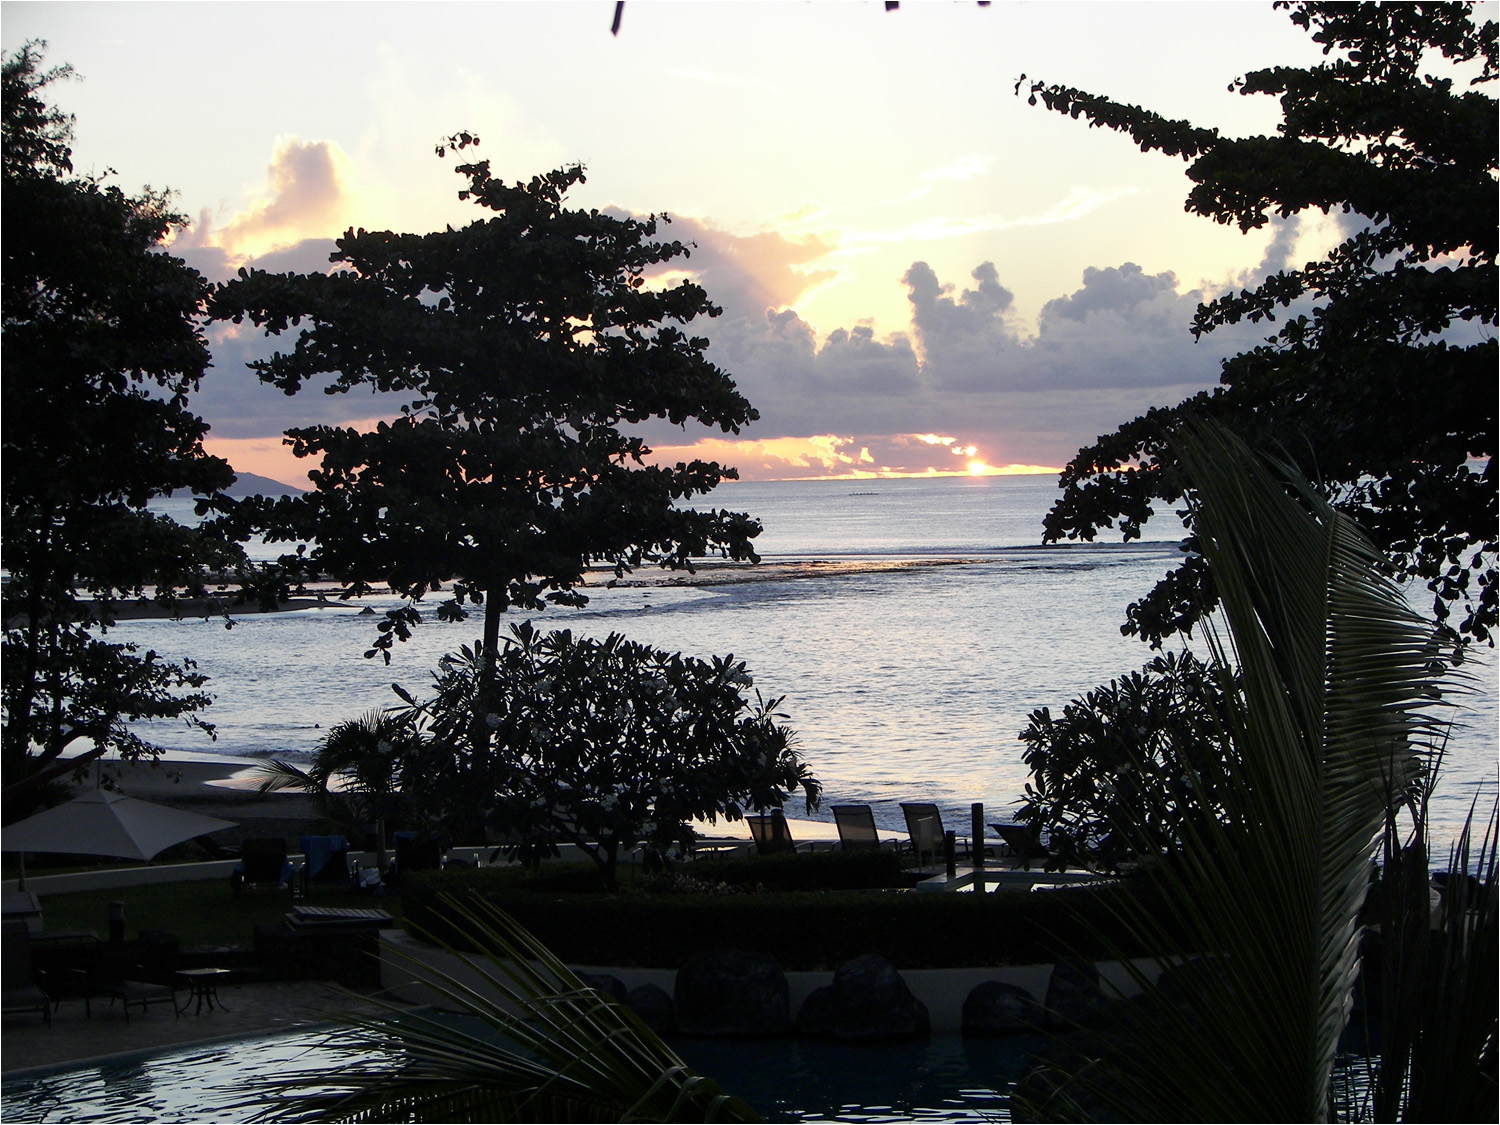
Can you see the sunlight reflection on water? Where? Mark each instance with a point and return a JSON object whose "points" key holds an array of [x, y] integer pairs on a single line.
{"points": [[902, 686]]}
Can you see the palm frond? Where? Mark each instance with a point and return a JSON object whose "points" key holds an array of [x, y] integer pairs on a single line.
{"points": [[535, 1044], [276, 775], [1328, 718]]}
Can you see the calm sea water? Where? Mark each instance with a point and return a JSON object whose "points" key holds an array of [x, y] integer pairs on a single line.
{"points": [[902, 685]]}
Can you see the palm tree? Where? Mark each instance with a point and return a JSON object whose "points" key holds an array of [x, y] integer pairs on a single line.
{"points": [[376, 767], [1329, 677], [1333, 729]]}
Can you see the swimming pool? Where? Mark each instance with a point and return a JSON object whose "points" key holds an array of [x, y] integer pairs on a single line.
{"points": [[944, 1079]]}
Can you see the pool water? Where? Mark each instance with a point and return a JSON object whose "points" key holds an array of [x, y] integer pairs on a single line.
{"points": [[947, 1078]]}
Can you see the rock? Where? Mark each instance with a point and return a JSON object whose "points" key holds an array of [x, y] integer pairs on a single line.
{"points": [[995, 1008], [606, 983], [734, 993], [867, 1000], [1073, 995], [654, 1006]]}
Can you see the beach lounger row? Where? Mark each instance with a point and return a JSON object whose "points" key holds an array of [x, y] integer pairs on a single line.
{"points": [[924, 826]]}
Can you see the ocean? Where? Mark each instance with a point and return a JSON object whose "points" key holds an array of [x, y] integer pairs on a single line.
{"points": [[909, 627]]}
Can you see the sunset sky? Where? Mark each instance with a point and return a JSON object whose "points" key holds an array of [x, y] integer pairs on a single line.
{"points": [[919, 271]]}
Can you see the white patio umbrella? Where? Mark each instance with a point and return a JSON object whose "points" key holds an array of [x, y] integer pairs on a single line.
{"points": [[99, 822]]}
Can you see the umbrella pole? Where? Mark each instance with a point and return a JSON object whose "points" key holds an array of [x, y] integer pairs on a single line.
{"points": [[21, 883]]}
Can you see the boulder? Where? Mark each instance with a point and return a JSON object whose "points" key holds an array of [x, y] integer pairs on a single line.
{"points": [[1073, 995], [996, 1008], [867, 1000], [654, 1006], [733, 993]]}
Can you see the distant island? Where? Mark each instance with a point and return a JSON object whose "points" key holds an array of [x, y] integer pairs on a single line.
{"points": [[248, 484]]}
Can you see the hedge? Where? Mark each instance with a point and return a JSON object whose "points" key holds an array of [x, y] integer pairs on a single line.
{"points": [[651, 928]]}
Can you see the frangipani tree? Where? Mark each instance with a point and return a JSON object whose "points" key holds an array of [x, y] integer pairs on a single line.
{"points": [[606, 744]]}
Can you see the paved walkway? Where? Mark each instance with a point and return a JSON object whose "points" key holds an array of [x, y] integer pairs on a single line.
{"points": [[248, 1010]]}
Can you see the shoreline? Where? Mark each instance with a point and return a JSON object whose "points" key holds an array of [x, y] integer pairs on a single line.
{"points": [[226, 786], [325, 595]]}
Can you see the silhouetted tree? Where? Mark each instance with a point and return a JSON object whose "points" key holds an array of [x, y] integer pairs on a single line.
{"points": [[102, 344], [1384, 391], [526, 341]]}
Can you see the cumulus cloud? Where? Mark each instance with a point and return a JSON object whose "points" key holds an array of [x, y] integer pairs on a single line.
{"points": [[305, 193], [970, 373], [748, 274]]}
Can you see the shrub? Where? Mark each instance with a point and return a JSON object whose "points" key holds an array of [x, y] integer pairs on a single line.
{"points": [[803, 930]]}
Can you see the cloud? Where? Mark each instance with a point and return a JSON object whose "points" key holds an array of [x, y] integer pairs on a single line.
{"points": [[971, 373], [964, 168], [1078, 203], [306, 193], [748, 274]]}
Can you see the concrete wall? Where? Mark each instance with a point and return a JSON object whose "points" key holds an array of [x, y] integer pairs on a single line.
{"points": [[404, 959]]}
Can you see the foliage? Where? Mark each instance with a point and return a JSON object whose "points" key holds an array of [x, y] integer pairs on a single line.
{"points": [[610, 744], [551, 1049], [1146, 751], [1330, 723], [102, 345], [1380, 384], [1438, 988], [647, 925], [868, 869], [372, 768], [525, 341]]}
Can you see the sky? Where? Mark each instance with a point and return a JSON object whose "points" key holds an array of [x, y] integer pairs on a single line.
{"points": [[920, 273]]}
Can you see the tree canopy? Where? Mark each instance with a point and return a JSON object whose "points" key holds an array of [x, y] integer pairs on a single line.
{"points": [[606, 744], [102, 345], [1380, 382], [526, 341]]}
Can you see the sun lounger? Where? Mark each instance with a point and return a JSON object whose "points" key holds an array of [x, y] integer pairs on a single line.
{"points": [[1023, 842], [772, 836], [416, 851], [263, 862], [22, 987], [327, 863], [924, 824], [856, 825]]}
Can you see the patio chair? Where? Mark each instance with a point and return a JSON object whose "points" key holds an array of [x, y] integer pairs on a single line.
{"points": [[104, 971], [263, 861], [327, 863], [924, 824], [856, 825], [22, 988], [771, 833]]}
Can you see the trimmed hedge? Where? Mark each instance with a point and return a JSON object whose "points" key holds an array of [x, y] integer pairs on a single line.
{"points": [[803, 930], [815, 871]]}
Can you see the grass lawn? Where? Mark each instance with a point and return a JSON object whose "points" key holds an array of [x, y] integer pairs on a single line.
{"points": [[199, 913]]}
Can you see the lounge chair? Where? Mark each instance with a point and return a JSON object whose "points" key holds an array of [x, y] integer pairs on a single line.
{"points": [[772, 836], [327, 863], [263, 861], [110, 972], [924, 824], [856, 825], [22, 988], [416, 851], [1024, 843]]}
